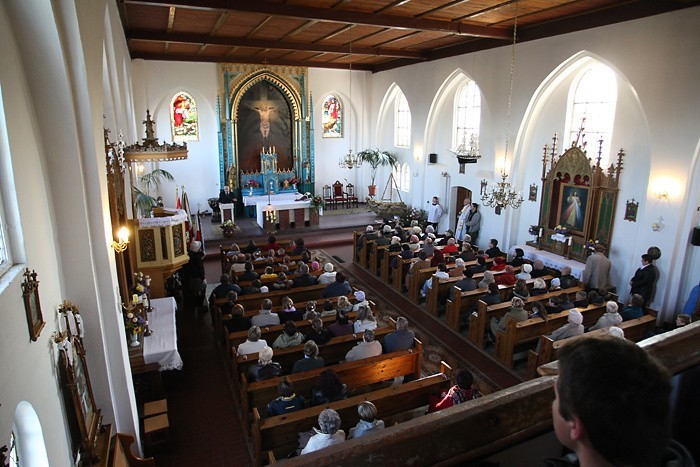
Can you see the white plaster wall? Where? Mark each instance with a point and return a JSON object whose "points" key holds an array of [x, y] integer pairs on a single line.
{"points": [[328, 151], [655, 56], [155, 83]]}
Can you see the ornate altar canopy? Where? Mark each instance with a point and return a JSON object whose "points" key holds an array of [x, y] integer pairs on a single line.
{"points": [[578, 201]]}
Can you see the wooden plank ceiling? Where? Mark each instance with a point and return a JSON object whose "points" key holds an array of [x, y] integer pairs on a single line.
{"points": [[373, 35]]}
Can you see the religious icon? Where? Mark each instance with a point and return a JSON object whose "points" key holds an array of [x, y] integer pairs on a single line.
{"points": [[573, 204], [631, 208], [332, 117], [533, 193], [183, 117]]}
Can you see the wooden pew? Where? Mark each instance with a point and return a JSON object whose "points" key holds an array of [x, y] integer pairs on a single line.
{"points": [[402, 267], [377, 253], [279, 434], [635, 330], [253, 301], [414, 287], [479, 321], [122, 456], [385, 268], [332, 352], [477, 429], [466, 302], [356, 374], [519, 332]]}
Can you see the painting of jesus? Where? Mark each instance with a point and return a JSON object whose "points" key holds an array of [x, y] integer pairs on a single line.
{"points": [[573, 204]]}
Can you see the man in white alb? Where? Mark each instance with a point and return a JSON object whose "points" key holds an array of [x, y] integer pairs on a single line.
{"points": [[435, 212]]}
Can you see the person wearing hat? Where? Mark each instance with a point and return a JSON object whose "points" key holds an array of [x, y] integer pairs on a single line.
{"points": [[360, 300], [555, 285], [414, 243], [395, 245], [385, 237], [328, 275], [525, 274], [499, 264], [610, 318], [516, 312], [574, 327]]}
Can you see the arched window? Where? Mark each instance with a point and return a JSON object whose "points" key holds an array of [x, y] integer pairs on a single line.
{"points": [[28, 437], [406, 178], [184, 119], [5, 182], [402, 122], [467, 114], [594, 96], [332, 117]]}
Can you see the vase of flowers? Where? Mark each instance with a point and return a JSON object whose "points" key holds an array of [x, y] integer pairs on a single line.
{"points": [[228, 228], [251, 184], [293, 181], [561, 231], [317, 203], [134, 324]]}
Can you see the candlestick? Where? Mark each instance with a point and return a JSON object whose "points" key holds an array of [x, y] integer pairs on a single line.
{"points": [[540, 233], [569, 241], [135, 299]]}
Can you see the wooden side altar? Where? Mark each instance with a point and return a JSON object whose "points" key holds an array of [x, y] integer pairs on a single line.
{"points": [[578, 201]]}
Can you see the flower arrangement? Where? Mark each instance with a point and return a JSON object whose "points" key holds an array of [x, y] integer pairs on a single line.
{"points": [[317, 203], [252, 183], [534, 230], [228, 224], [591, 244], [293, 181], [134, 323], [142, 284], [561, 230]]}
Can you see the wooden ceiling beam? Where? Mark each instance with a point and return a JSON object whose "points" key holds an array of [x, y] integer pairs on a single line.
{"points": [[394, 4], [268, 7], [441, 7], [155, 36], [171, 19], [228, 58], [299, 29]]}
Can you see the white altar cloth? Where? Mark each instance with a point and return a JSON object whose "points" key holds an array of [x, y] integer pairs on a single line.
{"points": [[550, 260], [179, 217], [282, 206], [161, 346], [253, 200]]}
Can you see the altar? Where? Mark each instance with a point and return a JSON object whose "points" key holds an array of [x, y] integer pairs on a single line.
{"points": [[161, 346], [290, 213], [549, 259]]}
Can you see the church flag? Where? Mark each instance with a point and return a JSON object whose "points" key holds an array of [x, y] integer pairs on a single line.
{"points": [[178, 204]]}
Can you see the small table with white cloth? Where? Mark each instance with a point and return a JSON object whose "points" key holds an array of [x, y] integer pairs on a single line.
{"points": [[161, 346], [550, 260]]}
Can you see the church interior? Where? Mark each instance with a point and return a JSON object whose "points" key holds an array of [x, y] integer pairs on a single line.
{"points": [[572, 124]]}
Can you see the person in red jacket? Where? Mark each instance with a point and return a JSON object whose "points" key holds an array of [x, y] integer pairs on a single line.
{"points": [[465, 390]]}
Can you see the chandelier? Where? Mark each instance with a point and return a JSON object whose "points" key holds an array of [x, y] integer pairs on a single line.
{"points": [[467, 155], [349, 160], [503, 195]]}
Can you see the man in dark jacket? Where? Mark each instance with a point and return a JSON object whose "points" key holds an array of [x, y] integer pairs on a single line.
{"points": [[643, 281], [304, 279]]}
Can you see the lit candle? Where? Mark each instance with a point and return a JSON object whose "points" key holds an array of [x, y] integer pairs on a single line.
{"points": [[540, 232], [570, 238]]}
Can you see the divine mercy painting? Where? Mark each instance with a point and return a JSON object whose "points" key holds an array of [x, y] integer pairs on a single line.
{"points": [[573, 205]]}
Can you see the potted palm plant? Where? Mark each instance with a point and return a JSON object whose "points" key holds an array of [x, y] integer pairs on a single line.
{"points": [[152, 180], [376, 158]]}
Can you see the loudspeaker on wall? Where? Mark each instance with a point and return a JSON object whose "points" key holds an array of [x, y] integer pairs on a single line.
{"points": [[432, 158], [695, 240]]}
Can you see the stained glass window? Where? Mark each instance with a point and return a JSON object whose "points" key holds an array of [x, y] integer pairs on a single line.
{"points": [[184, 119], [332, 117]]}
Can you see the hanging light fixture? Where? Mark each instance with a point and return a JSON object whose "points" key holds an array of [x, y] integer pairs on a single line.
{"points": [[349, 160], [502, 194]]}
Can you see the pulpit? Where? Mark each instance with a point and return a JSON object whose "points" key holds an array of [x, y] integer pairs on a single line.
{"points": [[160, 246], [227, 212]]}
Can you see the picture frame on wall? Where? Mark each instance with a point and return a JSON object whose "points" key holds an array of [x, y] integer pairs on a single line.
{"points": [[574, 203], [32, 305], [631, 208]]}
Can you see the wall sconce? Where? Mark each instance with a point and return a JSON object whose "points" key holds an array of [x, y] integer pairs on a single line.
{"points": [[123, 237], [661, 195], [658, 226]]}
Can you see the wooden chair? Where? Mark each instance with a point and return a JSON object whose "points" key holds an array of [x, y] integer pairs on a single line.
{"points": [[351, 195], [339, 196], [328, 196]]}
